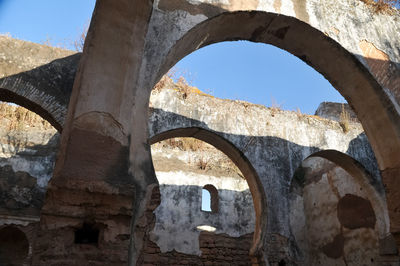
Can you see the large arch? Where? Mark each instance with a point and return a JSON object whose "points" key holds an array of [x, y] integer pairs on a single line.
{"points": [[341, 68], [252, 178]]}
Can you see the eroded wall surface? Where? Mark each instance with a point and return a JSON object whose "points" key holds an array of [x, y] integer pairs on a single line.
{"points": [[27, 157], [335, 218]]}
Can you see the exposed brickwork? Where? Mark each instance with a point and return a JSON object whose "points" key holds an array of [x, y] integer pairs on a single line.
{"points": [[278, 251], [100, 193], [216, 249], [386, 72]]}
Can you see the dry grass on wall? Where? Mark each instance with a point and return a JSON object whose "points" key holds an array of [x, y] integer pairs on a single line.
{"points": [[382, 6], [19, 118], [186, 144], [344, 120]]}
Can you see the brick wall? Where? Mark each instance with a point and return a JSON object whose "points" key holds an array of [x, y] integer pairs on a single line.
{"points": [[216, 249]]}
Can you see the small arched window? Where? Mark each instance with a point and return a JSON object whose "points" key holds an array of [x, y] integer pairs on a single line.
{"points": [[209, 199]]}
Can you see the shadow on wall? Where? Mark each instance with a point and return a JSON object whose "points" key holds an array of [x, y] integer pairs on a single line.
{"points": [[165, 124], [20, 191]]}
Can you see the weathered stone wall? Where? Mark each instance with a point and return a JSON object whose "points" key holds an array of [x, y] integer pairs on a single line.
{"points": [[27, 157], [16, 238], [215, 250], [337, 219], [336, 111]]}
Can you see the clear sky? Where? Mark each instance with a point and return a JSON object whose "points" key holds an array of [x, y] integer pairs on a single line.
{"points": [[257, 73]]}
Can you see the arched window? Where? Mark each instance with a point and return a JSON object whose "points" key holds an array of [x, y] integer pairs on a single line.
{"points": [[209, 199]]}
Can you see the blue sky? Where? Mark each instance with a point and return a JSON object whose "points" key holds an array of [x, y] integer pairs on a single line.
{"points": [[257, 73]]}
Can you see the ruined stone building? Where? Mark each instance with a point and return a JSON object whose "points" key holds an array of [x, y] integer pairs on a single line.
{"points": [[111, 178]]}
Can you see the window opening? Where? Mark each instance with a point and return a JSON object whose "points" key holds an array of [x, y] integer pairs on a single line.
{"points": [[88, 234], [209, 199]]}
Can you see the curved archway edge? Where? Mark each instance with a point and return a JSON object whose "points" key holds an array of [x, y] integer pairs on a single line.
{"points": [[362, 177], [240, 160], [9, 96], [306, 184]]}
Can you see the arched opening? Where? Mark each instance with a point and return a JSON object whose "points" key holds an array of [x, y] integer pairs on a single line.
{"points": [[14, 246], [219, 195], [257, 73], [335, 206], [209, 199]]}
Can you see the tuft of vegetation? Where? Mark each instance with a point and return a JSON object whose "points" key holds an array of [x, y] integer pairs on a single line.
{"points": [[186, 144], [202, 164], [181, 86], [382, 6], [344, 120], [215, 160], [80, 41]]}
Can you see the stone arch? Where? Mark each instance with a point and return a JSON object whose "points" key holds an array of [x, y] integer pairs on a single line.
{"points": [[253, 180], [340, 67], [368, 184], [44, 90]]}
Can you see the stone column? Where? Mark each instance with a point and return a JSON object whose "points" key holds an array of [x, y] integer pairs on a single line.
{"points": [[87, 215]]}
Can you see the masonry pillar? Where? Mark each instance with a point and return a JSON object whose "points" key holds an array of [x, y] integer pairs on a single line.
{"points": [[89, 205]]}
